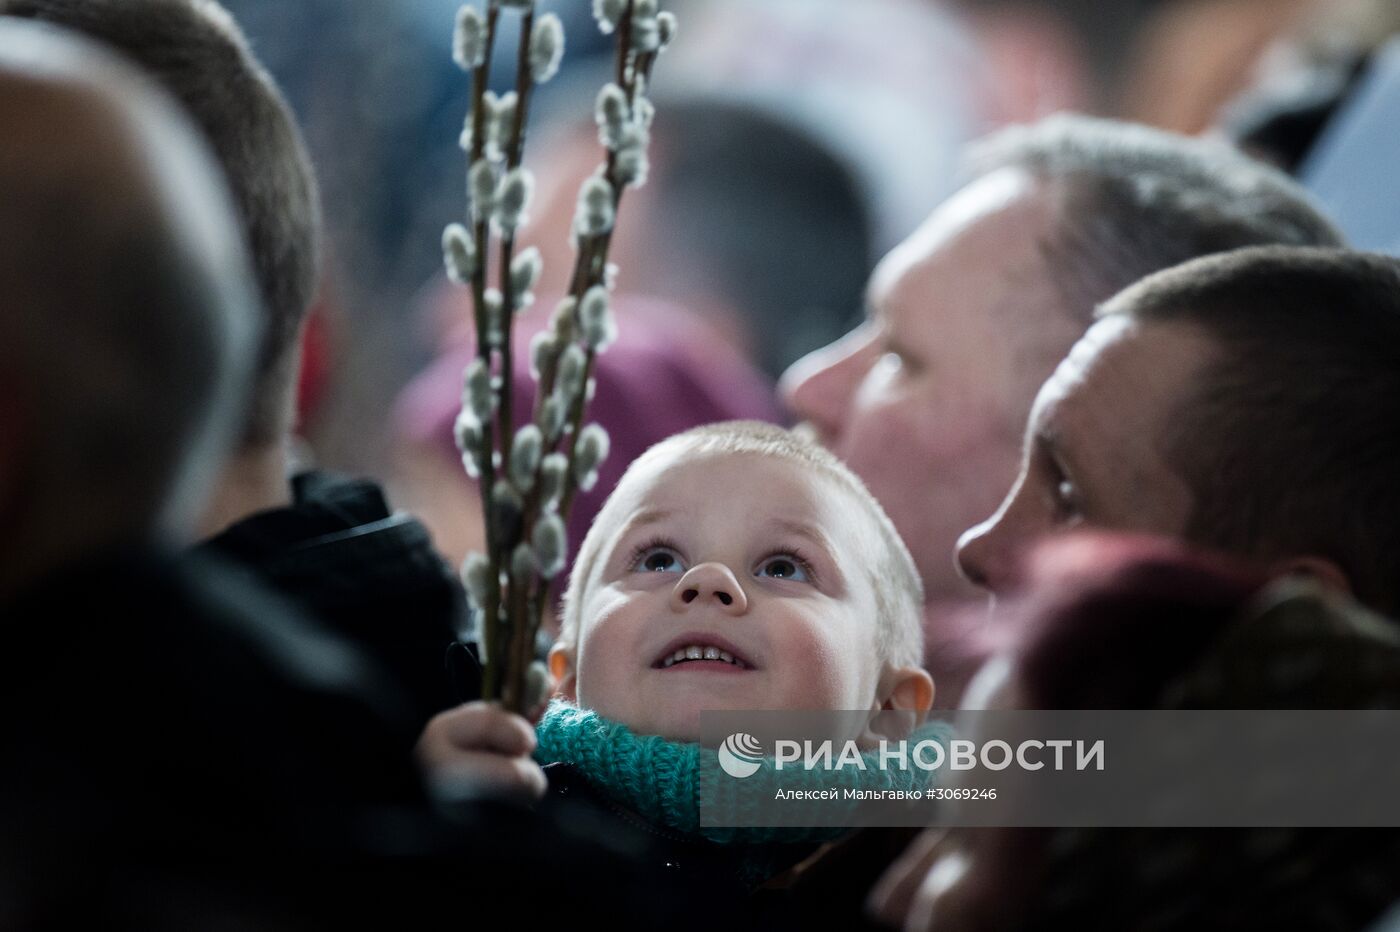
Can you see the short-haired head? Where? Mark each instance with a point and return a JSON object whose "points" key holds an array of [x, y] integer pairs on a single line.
{"points": [[1131, 200], [195, 50], [127, 312], [1287, 441], [888, 568]]}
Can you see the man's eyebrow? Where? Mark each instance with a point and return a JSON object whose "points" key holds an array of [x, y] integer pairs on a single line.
{"points": [[1049, 436], [894, 344], [867, 301], [1047, 428]]}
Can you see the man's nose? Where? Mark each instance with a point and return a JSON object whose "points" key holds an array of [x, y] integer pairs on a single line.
{"points": [[989, 554], [818, 388], [709, 584], [975, 555]]}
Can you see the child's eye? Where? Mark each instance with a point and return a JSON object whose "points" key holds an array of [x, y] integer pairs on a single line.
{"points": [[658, 559], [783, 567]]}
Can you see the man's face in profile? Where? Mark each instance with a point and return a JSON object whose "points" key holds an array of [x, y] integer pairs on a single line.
{"points": [[928, 399], [1095, 447]]}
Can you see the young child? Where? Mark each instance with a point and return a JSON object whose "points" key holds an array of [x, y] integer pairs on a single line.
{"points": [[736, 566]]}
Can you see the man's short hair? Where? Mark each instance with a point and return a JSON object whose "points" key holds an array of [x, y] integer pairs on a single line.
{"points": [[888, 567], [1289, 440], [1135, 200], [196, 51]]}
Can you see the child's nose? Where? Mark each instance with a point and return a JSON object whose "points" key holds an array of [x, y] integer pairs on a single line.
{"points": [[710, 584]]}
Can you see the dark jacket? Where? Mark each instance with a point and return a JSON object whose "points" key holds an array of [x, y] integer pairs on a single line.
{"points": [[179, 743], [799, 883], [368, 574], [725, 869]]}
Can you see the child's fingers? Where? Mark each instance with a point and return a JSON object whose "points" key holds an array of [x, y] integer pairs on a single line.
{"points": [[477, 771], [480, 747], [481, 726], [476, 726]]}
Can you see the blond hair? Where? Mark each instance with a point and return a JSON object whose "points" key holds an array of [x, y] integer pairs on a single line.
{"points": [[893, 578]]}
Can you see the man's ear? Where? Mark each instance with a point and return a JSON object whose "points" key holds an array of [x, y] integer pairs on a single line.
{"points": [[1325, 571], [561, 669]]}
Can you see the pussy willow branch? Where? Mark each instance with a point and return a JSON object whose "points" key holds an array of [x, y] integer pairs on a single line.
{"points": [[514, 151], [590, 268], [521, 632], [490, 623]]}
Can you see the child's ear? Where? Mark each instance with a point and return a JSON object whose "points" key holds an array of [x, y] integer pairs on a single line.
{"points": [[906, 695], [561, 669], [907, 689]]}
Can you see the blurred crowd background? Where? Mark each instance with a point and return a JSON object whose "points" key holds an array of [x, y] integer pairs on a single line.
{"points": [[797, 140]]}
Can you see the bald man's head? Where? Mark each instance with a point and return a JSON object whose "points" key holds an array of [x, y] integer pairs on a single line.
{"points": [[124, 304]]}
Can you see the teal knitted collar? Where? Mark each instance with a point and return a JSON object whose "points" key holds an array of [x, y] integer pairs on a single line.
{"points": [[660, 779]]}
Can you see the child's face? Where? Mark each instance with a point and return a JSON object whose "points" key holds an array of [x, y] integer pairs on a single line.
{"points": [[748, 561]]}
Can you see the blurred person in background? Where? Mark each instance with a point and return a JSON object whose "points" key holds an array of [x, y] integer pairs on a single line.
{"points": [[332, 545], [1173, 64], [895, 88], [143, 384], [180, 747], [1307, 76], [749, 219], [928, 400], [1327, 109], [377, 96], [196, 51]]}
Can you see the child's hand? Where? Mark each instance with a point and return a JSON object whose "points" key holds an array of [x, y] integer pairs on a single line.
{"points": [[479, 744]]}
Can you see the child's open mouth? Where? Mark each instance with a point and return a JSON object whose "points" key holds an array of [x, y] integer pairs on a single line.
{"points": [[701, 652]]}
